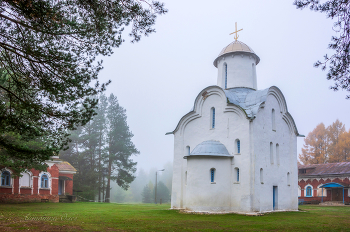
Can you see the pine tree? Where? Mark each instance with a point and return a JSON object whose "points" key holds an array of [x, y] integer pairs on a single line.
{"points": [[146, 195], [120, 148], [48, 52]]}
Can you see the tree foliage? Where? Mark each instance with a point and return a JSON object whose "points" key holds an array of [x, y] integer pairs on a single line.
{"points": [[326, 145], [101, 151], [48, 51], [146, 194], [339, 63]]}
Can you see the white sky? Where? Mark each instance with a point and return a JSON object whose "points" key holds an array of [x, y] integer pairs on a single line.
{"points": [[157, 79]]}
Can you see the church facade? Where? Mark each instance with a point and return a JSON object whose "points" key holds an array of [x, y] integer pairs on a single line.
{"points": [[236, 151]]}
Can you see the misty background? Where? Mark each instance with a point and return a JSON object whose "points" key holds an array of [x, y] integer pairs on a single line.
{"points": [[157, 79]]}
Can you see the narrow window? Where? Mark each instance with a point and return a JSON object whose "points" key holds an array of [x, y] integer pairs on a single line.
{"points": [[278, 153], [238, 146], [212, 173], [308, 191], [188, 150], [186, 178], [288, 179], [261, 176], [273, 120], [254, 75], [271, 153], [212, 117], [44, 181], [237, 174], [225, 66], [5, 178]]}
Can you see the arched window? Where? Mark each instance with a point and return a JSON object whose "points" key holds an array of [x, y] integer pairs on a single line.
{"points": [[212, 117], [261, 176], [238, 144], [309, 191], [5, 178], [271, 153], [299, 191], [237, 174], [225, 73], [278, 153], [24, 181], [273, 120], [212, 175], [288, 178], [44, 181], [254, 75]]}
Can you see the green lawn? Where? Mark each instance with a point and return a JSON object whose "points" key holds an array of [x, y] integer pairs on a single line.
{"points": [[149, 217]]}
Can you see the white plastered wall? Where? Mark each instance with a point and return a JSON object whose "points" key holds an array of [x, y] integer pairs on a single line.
{"points": [[274, 174]]}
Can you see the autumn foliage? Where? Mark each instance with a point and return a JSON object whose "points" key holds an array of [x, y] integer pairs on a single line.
{"points": [[326, 145]]}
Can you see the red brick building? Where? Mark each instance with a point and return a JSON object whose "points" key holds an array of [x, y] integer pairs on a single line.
{"points": [[324, 182], [36, 186]]}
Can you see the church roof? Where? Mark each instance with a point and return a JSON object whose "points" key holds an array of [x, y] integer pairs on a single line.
{"points": [[210, 148], [236, 47], [248, 99]]}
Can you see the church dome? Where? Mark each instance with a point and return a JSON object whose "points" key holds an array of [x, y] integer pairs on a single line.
{"points": [[209, 148], [236, 47]]}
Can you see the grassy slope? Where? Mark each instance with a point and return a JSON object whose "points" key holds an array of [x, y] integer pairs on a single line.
{"points": [[143, 217]]}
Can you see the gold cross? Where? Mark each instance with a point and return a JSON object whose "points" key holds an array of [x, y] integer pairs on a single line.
{"points": [[236, 32]]}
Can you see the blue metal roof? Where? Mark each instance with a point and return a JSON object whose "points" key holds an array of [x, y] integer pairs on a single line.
{"points": [[210, 148], [247, 99], [332, 185]]}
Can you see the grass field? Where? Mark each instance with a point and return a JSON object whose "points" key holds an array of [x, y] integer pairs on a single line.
{"points": [[149, 217]]}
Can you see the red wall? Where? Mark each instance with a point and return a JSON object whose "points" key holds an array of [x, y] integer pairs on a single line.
{"points": [[27, 195], [315, 183]]}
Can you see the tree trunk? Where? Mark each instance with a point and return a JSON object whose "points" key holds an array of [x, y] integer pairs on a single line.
{"points": [[108, 189]]}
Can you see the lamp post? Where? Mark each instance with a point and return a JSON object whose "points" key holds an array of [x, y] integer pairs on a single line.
{"points": [[155, 192]]}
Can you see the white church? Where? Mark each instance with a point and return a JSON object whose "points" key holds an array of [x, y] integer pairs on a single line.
{"points": [[236, 151]]}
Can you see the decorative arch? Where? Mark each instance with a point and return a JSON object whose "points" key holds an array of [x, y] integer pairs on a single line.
{"points": [[6, 177], [308, 191], [43, 176], [276, 92], [196, 112], [26, 180]]}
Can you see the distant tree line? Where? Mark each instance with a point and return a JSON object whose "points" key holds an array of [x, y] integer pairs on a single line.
{"points": [[326, 145], [101, 152]]}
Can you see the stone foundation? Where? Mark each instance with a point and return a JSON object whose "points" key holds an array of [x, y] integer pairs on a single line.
{"points": [[25, 198]]}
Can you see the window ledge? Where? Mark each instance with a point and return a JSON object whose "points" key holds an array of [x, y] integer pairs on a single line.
{"points": [[274, 130], [236, 182], [261, 182], [212, 182], [238, 154], [44, 188], [25, 187], [5, 186]]}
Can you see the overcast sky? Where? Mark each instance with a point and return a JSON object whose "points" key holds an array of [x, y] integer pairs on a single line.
{"points": [[157, 79]]}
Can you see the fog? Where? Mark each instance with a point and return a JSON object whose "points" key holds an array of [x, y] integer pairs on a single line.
{"points": [[157, 79]]}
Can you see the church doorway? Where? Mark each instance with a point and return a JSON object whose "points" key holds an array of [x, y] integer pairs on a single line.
{"points": [[60, 187], [275, 197], [337, 194]]}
